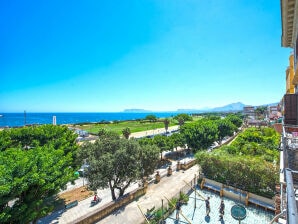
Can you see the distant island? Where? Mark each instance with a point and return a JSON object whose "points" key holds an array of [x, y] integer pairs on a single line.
{"points": [[136, 111]]}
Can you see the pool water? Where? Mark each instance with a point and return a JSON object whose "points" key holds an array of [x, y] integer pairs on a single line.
{"points": [[198, 214]]}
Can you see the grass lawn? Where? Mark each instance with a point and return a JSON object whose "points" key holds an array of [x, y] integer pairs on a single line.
{"points": [[135, 126]]}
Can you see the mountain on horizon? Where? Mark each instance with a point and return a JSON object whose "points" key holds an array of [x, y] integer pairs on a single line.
{"points": [[232, 107]]}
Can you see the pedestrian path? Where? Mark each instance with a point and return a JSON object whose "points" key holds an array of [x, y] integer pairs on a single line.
{"points": [[156, 131], [168, 186]]}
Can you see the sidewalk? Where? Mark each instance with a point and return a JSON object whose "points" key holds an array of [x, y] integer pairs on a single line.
{"points": [[168, 186], [157, 131]]}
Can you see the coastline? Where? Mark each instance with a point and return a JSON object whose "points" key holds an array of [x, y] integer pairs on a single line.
{"points": [[20, 119]]}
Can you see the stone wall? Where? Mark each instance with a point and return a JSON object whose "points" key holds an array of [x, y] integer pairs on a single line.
{"points": [[185, 166], [234, 193], [111, 207]]}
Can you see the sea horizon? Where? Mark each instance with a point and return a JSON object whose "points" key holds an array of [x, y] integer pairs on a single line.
{"points": [[12, 119]]}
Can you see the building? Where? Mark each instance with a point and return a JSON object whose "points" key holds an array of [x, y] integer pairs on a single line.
{"points": [[287, 199], [273, 112], [290, 81], [249, 112]]}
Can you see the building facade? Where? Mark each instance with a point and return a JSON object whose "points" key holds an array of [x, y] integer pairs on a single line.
{"points": [[287, 203], [290, 81], [249, 112]]}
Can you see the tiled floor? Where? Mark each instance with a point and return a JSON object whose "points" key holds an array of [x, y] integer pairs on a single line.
{"points": [[198, 214]]}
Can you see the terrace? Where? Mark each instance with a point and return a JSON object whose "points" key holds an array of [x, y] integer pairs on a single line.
{"points": [[288, 189], [195, 211]]}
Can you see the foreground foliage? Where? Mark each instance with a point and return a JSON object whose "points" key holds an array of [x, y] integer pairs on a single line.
{"points": [[35, 163], [249, 163]]}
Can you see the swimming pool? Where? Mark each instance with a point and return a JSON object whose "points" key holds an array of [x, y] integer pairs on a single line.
{"points": [[198, 214]]}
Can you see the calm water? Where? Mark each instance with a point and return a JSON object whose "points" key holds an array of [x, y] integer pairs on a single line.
{"points": [[18, 119]]}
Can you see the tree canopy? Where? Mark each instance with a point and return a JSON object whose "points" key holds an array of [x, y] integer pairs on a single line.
{"points": [[116, 163], [199, 135], [260, 112], [185, 117], [235, 119], [36, 162], [261, 142], [225, 128], [126, 132], [151, 118]]}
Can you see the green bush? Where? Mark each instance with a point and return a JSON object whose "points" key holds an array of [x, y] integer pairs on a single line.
{"points": [[248, 163]]}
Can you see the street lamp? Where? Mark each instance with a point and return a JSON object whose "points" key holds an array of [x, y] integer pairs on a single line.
{"points": [[238, 211], [83, 176]]}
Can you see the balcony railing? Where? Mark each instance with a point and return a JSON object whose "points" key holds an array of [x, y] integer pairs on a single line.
{"points": [[289, 167]]}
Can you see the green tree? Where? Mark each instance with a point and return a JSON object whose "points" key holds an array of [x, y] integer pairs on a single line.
{"points": [[185, 117], [199, 135], [178, 140], [225, 128], [104, 134], [181, 121], [35, 164], [116, 163], [235, 119], [126, 132], [151, 118], [161, 142], [166, 123], [145, 141], [149, 156], [182, 118], [261, 112]]}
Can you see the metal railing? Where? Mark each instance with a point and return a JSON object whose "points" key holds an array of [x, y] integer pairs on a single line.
{"points": [[289, 146]]}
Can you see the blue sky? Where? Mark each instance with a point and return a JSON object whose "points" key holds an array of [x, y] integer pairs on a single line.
{"points": [[161, 55]]}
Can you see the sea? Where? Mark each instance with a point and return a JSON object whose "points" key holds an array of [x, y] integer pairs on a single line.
{"points": [[22, 119]]}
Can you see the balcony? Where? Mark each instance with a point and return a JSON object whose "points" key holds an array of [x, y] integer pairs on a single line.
{"points": [[289, 173]]}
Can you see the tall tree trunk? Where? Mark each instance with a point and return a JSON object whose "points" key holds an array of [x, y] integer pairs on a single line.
{"points": [[121, 192], [113, 193]]}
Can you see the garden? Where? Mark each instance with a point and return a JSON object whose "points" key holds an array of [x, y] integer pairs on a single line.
{"points": [[249, 162]]}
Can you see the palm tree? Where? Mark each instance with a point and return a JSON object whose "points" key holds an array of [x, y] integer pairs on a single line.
{"points": [[261, 112], [166, 122], [126, 132], [181, 121]]}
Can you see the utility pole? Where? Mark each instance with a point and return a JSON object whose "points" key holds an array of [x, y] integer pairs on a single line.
{"points": [[24, 118]]}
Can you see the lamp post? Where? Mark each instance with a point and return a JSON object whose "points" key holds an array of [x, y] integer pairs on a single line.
{"points": [[83, 177], [238, 211]]}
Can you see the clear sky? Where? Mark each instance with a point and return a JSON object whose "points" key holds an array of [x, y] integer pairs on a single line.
{"points": [[161, 55]]}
